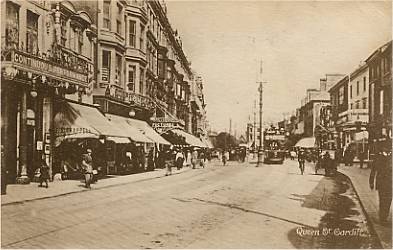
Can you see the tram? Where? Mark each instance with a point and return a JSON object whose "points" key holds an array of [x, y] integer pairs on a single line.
{"points": [[273, 143]]}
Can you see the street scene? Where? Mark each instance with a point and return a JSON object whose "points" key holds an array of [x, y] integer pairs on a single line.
{"points": [[147, 124]]}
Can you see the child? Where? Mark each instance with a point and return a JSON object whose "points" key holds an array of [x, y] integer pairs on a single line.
{"points": [[44, 170]]}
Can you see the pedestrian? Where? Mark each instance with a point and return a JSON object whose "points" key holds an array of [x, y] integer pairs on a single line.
{"points": [[326, 163], [179, 160], [202, 158], [194, 158], [44, 173], [224, 157], [87, 167], [301, 160], [3, 173], [361, 159], [168, 155], [381, 175], [292, 154]]}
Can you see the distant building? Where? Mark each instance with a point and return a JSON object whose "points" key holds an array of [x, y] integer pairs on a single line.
{"points": [[380, 96]]}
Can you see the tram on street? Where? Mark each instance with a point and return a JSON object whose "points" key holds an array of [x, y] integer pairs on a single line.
{"points": [[274, 140]]}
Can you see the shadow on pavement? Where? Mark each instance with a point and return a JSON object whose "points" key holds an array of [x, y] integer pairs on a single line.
{"points": [[340, 227]]}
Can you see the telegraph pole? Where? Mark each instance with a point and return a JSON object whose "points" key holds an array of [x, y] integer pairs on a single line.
{"points": [[254, 127], [260, 89]]}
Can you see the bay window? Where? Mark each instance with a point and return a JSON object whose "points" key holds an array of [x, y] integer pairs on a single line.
{"points": [[131, 33], [141, 80], [119, 19], [107, 14], [131, 78], [106, 66], [118, 69]]}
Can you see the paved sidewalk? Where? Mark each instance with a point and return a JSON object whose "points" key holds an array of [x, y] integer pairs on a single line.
{"points": [[21, 193], [369, 200]]}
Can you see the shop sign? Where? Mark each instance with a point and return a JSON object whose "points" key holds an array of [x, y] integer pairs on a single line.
{"points": [[44, 66], [70, 131], [165, 125], [39, 145]]}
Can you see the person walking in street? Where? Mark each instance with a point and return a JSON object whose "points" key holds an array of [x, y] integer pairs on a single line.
{"points": [[381, 175], [327, 163], [361, 158], [87, 167], [194, 158], [301, 160], [44, 173], [224, 157], [179, 159], [169, 160], [3, 173]]}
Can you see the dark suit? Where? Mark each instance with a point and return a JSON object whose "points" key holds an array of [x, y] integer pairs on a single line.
{"points": [[381, 171]]}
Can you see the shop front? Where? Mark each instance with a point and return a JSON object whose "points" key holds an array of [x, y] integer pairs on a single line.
{"points": [[30, 84]]}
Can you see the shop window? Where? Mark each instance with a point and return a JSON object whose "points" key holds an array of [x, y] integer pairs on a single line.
{"points": [[12, 25], [131, 33], [106, 66], [364, 100], [107, 14], [131, 78]]}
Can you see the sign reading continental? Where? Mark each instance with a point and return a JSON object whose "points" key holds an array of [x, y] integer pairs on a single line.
{"points": [[46, 67]]}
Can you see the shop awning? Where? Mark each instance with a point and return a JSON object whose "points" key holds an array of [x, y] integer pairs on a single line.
{"points": [[207, 142], [128, 130], [308, 142], [190, 139], [82, 121], [119, 140], [147, 131]]}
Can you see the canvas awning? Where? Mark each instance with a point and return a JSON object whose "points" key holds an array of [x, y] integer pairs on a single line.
{"points": [[308, 142], [77, 121], [130, 131], [207, 142], [190, 139], [147, 131]]}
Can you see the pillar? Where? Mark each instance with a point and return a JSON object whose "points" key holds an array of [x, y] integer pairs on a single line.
{"points": [[23, 177]]}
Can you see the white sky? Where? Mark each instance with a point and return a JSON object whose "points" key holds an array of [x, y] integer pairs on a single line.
{"points": [[299, 42]]}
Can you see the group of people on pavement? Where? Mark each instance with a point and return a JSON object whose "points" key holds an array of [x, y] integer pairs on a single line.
{"points": [[322, 160]]}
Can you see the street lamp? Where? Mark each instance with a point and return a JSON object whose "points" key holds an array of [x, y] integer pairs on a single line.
{"points": [[131, 113]]}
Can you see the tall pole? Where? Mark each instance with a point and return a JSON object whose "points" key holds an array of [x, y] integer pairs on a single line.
{"points": [[260, 89], [255, 125]]}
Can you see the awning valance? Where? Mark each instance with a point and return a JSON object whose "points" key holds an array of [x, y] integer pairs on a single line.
{"points": [[147, 131], [82, 121], [190, 139], [128, 130]]}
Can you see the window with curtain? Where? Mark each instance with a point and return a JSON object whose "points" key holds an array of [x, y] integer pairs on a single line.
{"points": [[141, 80], [141, 38], [32, 32], [131, 33], [131, 78], [107, 14], [119, 19], [118, 69], [106, 66], [12, 25]]}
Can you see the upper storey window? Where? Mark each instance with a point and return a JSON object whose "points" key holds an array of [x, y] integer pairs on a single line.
{"points": [[32, 32], [107, 14], [132, 33], [119, 19], [12, 25]]}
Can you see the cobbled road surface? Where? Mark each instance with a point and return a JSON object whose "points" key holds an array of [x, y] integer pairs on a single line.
{"points": [[236, 206]]}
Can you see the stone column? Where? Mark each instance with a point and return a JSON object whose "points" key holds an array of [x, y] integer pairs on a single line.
{"points": [[22, 176]]}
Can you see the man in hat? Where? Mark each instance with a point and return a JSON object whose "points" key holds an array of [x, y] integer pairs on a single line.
{"points": [[381, 175], [87, 166]]}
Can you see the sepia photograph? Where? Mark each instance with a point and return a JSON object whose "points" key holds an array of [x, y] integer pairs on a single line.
{"points": [[196, 124]]}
